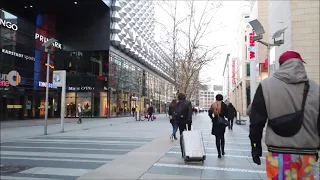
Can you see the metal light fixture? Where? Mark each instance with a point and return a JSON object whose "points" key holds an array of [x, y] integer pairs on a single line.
{"points": [[259, 31]]}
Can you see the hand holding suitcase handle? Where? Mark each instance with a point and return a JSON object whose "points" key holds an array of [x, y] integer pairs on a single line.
{"points": [[191, 127]]}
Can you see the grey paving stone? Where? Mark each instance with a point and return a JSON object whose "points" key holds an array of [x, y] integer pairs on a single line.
{"points": [[77, 151], [49, 163], [96, 138], [73, 145], [154, 176], [176, 171], [57, 157], [135, 163], [207, 174], [62, 171], [47, 176]]}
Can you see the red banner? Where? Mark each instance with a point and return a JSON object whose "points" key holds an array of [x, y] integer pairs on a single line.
{"points": [[252, 46], [233, 71]]}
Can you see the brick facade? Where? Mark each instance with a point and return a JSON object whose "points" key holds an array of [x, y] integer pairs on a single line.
{"points": [[305, 34]]}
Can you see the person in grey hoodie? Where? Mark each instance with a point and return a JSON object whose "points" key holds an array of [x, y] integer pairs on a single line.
{"points": [[290, 103]]}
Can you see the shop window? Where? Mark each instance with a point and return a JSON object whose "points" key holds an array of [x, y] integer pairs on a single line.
{"points": [[248, 69]]}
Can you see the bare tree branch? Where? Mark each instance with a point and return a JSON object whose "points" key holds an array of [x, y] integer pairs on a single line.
{"points": [[183, 42]]}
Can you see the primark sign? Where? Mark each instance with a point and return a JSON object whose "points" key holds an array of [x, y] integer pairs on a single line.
{"points": [[44, 39], [37, 36]]}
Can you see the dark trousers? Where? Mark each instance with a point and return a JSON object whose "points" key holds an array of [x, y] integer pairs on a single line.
{"points": [[80, 115], [133, 113], [183, 127], [220, 143], [150, 117], [230, 123]]}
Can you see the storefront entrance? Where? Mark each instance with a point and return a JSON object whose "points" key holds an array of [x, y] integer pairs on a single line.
{"points": [[11, 107]]}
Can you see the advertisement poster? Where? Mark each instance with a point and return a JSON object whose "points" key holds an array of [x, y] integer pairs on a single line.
{"points": [[28, 105]]}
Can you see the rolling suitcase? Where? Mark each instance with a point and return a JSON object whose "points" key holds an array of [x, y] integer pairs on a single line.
{"points": [[192, 146]]}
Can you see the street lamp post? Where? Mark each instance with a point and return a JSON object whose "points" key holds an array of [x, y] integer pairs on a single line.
{"points": [[48, 51], [259, 31]]}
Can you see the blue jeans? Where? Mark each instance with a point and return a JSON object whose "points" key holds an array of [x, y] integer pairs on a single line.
{"points": [[174, 129]]}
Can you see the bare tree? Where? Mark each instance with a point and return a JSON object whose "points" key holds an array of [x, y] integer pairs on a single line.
{"points": [[185, 42]]}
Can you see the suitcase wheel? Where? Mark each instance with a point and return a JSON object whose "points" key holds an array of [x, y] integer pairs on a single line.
{"points": [[204, 158]]}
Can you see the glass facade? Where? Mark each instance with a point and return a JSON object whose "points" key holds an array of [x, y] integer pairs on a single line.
{"points": [[130, 86], [103, 82], [86, 82], [23, 62]]}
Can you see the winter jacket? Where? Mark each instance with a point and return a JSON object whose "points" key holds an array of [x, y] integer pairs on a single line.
{"points": [[232, 112], [282, 94], [172, 113]]}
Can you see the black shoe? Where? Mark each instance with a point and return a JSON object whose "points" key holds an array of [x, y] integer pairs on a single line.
{"points": [[219, 155], [175, 138], [223, 153]]}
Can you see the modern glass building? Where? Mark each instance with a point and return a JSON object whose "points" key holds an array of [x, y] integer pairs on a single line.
{"points": [[107, 79], [82, 50], [139, 73]]}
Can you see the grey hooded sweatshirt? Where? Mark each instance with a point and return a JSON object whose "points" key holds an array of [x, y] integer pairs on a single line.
{"points": [[282, 94]]}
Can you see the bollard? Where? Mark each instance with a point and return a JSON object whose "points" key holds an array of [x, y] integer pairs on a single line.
{"points": [[238, 116]]}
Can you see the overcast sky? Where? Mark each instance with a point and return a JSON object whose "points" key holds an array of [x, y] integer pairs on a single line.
{"points": [[225, 25]]}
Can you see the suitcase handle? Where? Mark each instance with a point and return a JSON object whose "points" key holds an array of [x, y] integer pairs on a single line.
{"points": [[190, 128]]}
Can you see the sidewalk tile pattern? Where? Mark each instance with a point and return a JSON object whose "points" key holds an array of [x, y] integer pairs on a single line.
{"points": [[50, 157]]}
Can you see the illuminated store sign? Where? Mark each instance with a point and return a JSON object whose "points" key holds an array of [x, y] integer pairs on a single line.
{"points": [[12, 53], [252, 46], [45, 39], [13, 78], [82, 88], [92, 59], [44, 84], [8, 24]]}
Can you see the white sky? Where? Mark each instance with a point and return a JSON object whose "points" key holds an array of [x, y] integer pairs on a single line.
{"points": [[225, 24]]}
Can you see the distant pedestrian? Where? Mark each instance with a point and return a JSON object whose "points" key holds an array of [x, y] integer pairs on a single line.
{"points": [[79, 113], [289, 103], [220, 111], [172, 117], [150, 113], [232, 113], [133, 111]]}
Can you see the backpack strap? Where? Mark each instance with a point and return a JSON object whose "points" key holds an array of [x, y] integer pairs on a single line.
{"points": [[305, 94]]}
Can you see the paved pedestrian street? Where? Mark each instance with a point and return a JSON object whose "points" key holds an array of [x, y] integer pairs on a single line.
{"points": [[236, 164], [127, 150]]}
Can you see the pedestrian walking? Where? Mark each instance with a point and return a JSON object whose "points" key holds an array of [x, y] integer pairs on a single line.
{"points": [[220, 111], [183, 115], [232, 113], [79, 113], [290, 103], [133, 110], [172, 117], [150, 113]]}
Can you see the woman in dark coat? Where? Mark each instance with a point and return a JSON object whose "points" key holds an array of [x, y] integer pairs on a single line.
{"points": [[172, 117], [232, 113], [218, 108]]}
